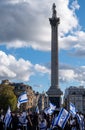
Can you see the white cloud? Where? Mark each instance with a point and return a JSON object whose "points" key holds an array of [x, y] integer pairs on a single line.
{"points": [[38, 86], [34, 45], [67, 75], [42, 69], [71, 73], [80, 74], [80, 40], [76, 42], [68, 42], [11, 68], [6, 72], [25, 23], [75, 5], [68, 18], [21, 70]]}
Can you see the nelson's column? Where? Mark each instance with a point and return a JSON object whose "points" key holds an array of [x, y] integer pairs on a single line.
{"points": [[54, 92]]}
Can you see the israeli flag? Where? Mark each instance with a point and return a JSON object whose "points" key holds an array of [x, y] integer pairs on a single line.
{"points": [[72, 109], [62, 118], [54, 121], [52, 106], [48, 110], [8, 118], [22, 99], [37, 110], [22, 118], [78, 118]]}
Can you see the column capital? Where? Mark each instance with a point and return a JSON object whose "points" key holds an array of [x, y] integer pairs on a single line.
{"points": [[54, 21]]}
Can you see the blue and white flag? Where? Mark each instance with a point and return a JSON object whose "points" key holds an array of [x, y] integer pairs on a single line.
{"points": [[22, 118], [52, 106], [62, 118], [8, 118], [22, 99], [50, 109], [46, 110], [72, 109], [37, 110], [78, 118], [54, 121]]}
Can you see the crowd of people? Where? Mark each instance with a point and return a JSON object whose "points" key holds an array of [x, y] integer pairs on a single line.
{"points": [[41, 121]]}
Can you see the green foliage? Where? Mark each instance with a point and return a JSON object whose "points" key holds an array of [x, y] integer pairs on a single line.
{"points": [[7, 97]]}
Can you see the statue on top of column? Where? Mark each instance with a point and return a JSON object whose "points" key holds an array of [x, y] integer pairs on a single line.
{"points": [[54, 10]]}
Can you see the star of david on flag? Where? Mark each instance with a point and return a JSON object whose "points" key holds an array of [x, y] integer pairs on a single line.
{"points": [[62, 118]]}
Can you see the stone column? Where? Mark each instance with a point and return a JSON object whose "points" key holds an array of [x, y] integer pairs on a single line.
{"points": [[54, 92]]}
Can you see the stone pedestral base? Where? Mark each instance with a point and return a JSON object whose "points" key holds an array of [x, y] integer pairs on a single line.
{"points": [[54, 96], [56, 101]]}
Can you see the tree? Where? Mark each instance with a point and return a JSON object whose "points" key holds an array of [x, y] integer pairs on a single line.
{"points": [[7, 97]]}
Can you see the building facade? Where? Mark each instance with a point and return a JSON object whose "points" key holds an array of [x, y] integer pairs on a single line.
{"points": [[42, 101], [34, 98], [18, 89], [76, 95]]}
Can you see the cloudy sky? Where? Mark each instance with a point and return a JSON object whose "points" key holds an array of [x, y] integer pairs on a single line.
{"points": [[25, 42]]}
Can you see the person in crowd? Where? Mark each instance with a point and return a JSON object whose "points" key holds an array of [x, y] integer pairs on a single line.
{"points": [[74, 123], [43, 124], [1, 122], [49, 121], [41, 121], [15, 121], [29, 121], [35, 121]]}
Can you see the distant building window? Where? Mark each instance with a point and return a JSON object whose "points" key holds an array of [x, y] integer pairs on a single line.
{"points": [[20, 87], [73, 93]]}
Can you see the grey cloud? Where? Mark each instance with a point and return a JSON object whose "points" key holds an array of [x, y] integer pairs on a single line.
{"points": [[65, 66], [78, 53], [27, 21], [18, 22], [13, 22]]}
